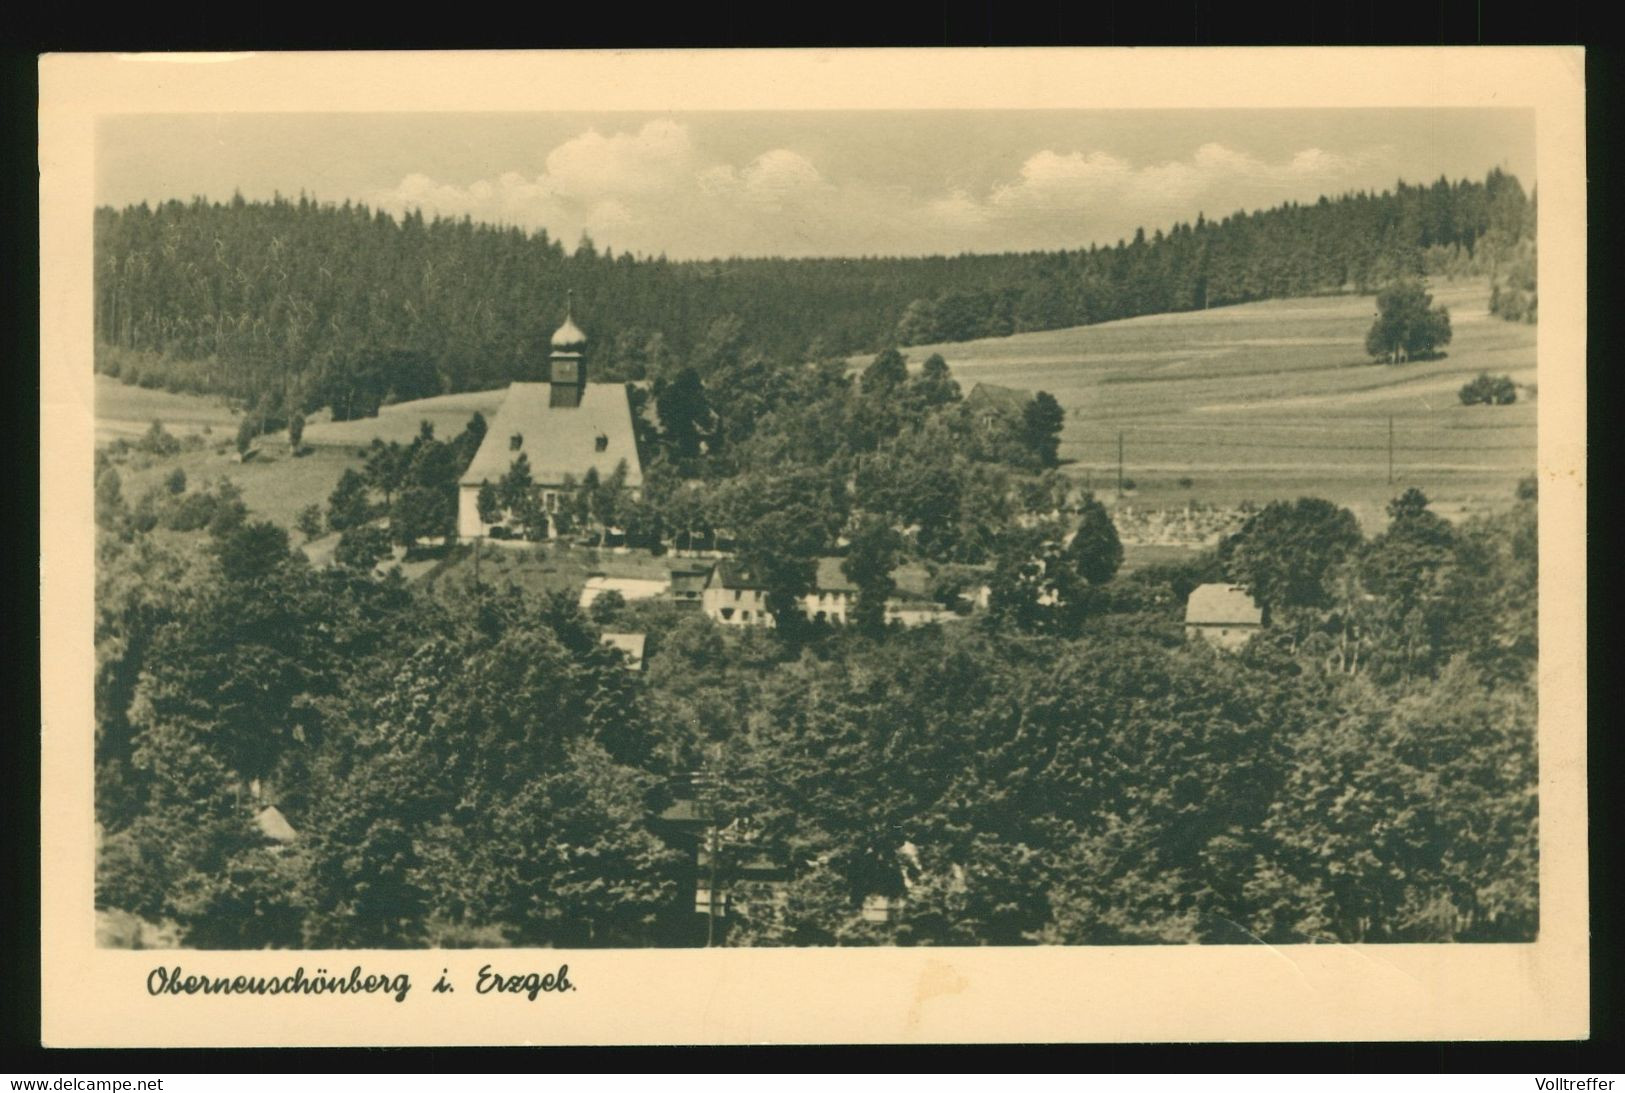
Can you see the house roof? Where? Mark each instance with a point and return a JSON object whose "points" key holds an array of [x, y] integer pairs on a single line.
{"points": [[630, 588], [831, 578], [559, 440], [1222, 604], [1011, 399], [730, 574], [690, 580], [275, 826], [630, 644]]}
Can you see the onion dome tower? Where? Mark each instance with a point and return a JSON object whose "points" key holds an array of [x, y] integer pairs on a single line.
{"points": [[567, 368]]}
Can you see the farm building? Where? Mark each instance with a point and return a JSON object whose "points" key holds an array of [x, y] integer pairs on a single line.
{"points": [[1224, 614], [562, 427], [992, 403]]}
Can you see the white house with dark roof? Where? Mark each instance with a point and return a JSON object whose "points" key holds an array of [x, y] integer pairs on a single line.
{"points": [[562, 427], [1224, 614], [733, 598]]}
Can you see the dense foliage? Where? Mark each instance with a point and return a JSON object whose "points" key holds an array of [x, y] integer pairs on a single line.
{"points": [[465, 764], [303, 305]]}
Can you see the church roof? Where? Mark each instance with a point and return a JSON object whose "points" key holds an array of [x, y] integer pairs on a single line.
{"points": [[559, 440]]}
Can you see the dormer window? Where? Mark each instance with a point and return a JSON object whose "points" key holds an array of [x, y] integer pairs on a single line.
{"points": [[515, 442], [601, 443]]}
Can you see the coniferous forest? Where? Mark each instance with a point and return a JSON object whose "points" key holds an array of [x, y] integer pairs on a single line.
{"points": [[317, 305]]}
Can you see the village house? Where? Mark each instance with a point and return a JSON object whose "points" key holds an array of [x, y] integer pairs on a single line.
{"points": [[733, 598], [563, 427], [1224, 614], [992, 403], [688, 585]]}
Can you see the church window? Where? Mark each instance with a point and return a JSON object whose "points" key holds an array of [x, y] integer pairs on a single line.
{"points": [[601, 443]]}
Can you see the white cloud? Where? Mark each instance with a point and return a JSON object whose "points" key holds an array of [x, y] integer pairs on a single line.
{"points": [[1096, 195], [648, 161], [780, 175], [654, 190]]}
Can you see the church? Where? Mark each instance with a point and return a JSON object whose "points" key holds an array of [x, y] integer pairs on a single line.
{"points": [[563, 427]]}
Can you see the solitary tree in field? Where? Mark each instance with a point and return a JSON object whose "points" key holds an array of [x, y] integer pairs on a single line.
{"points": [[296, 431], [1407, 325]]}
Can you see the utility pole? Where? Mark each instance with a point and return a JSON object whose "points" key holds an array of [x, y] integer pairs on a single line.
{"points": [[1119, 462], [1390, 449]]}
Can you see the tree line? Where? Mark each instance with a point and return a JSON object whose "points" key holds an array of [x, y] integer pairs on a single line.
{"points": [[295, 304]]}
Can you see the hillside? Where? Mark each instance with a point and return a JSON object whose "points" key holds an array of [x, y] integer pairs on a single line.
{"points": [[1273, 399], [342, 307]]}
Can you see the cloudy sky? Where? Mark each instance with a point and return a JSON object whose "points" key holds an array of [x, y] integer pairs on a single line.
{"points": [[697, 185]]}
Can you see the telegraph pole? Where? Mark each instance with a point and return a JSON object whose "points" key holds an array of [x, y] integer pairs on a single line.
{"points": [[1119, 462]]}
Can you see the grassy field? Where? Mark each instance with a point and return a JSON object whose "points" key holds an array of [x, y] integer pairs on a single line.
{"points": [[1274, 399], [448, 414], [275, 486], [1250, 403], [123, 411]]}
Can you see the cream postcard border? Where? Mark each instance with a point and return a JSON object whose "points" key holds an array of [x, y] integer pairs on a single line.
{"points": [[94, 997]]}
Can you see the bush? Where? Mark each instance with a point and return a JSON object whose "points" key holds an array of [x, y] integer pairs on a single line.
{"points": [[157, 441], [1488, 390], [362, 547]]}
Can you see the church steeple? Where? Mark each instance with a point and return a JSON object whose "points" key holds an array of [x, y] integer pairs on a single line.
{"points": [[567, 371]]}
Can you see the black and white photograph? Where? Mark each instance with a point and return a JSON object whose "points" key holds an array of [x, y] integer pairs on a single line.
{"points": [[684, 528]]}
